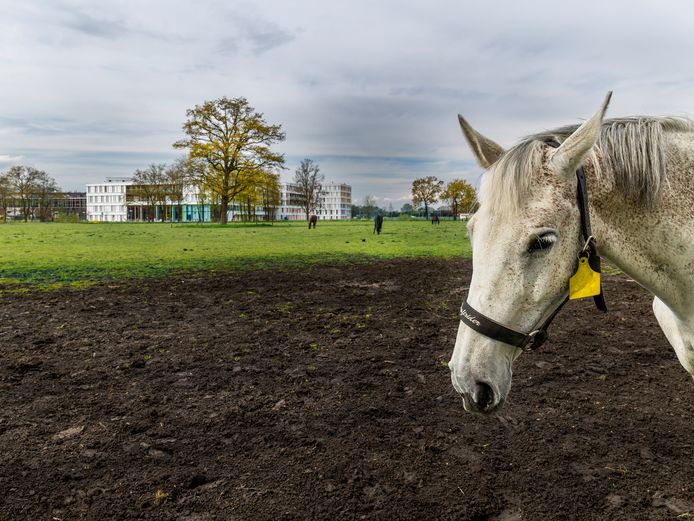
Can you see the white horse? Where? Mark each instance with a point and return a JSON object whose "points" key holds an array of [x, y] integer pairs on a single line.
{"points": [[526, 234]]}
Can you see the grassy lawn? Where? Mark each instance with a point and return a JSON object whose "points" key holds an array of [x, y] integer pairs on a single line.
{"points": [[49, 255]]}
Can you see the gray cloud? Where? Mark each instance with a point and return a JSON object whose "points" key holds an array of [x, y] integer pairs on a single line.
{"points": [[254, 35], [92, 26], [369, 89]]}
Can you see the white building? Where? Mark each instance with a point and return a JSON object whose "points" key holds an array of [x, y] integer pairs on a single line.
{"points": [[335, 202], [106, 201]]}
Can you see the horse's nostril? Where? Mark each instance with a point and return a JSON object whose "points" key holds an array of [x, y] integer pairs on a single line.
{"points": [[484, 396]]}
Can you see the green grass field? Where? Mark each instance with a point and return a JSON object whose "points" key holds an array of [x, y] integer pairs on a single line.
{"points": [[50, 255]]}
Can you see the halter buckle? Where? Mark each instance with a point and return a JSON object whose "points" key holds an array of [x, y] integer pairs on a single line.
{"points": [[586, 245], [535, 341]]}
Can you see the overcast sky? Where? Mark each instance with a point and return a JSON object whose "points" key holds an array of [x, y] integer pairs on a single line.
{"points": [[368, 89]]}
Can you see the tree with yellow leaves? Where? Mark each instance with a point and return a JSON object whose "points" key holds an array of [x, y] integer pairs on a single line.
{"points": [[233, 141], [425, 191], [460, 195]]}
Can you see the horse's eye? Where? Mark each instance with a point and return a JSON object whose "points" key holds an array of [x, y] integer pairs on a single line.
{"points": [[542, 242]]}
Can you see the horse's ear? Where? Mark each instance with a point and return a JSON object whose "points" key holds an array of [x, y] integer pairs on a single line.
{"points": [[485, 150], [570, 155]]}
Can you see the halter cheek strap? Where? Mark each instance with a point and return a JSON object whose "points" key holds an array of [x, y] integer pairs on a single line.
{"points": [[531, 341], [493, 329], [590, 248]]}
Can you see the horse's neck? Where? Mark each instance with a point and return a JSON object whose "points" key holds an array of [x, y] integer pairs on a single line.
{"points": [[654, 246]]}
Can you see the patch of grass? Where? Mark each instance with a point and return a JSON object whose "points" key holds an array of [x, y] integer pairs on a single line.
{"points": [[285, 308], [160, 496], [620, 469], [47, 256]]}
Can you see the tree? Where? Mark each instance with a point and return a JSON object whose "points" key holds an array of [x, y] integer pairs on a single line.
{"points": [[370, 207], [248, 200], [28, 184], [234, 141], [406, 208], [425, 191], [194, 173], [45, 188], [5, 195], [309, 183], [149, 186], [271, 194], [177, 176], [460, 195]]}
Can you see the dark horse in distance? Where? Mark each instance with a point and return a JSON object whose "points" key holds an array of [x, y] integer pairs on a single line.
{"points": [[378, 224], [435, 219], [312, 221]]}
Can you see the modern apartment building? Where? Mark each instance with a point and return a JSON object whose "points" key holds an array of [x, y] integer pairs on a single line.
{"points": [[106, 202], [335, 202], [117, 200]]}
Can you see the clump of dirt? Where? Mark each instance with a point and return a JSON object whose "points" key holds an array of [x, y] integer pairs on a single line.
{"points": [[323, 393]]}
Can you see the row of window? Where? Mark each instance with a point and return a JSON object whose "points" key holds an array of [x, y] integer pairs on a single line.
{"points": [[103, 218], [107, 208], [104, 199], [333, 195], [106, 189], [331, 212]]}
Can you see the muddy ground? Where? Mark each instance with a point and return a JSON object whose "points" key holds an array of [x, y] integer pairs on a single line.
{"points": [[324, 394]]}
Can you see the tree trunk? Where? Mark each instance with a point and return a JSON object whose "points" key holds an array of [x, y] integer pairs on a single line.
{"points": [[426, 210], [223, 210]]}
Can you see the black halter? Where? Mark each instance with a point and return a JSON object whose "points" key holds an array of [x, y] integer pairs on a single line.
{"points": [[531, 341]]}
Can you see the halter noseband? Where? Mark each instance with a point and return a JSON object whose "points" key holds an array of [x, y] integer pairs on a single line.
{"points": [[531, 341]]}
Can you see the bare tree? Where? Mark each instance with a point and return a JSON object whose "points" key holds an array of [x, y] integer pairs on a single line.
{"points": [[309, 183], [149, 186], [370, 205], [177, 176], [45, 189], [195, 174], [5, 195], [27, 183]]}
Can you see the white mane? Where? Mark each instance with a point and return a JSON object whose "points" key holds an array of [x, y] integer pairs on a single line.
{"points": [[630, 150]]}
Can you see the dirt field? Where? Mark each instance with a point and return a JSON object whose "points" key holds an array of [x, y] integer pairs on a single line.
{"points": [[323, 394]]}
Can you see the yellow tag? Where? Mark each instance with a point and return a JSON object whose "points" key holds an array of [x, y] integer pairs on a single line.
{"points": [[585, 282]]}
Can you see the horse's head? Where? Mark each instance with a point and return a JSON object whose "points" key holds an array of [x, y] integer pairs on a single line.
{"points": [[525, 239]]}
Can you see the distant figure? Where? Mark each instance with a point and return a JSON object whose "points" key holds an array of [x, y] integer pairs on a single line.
{"points": [[312, 221], [435, 219], [378, 224]]}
